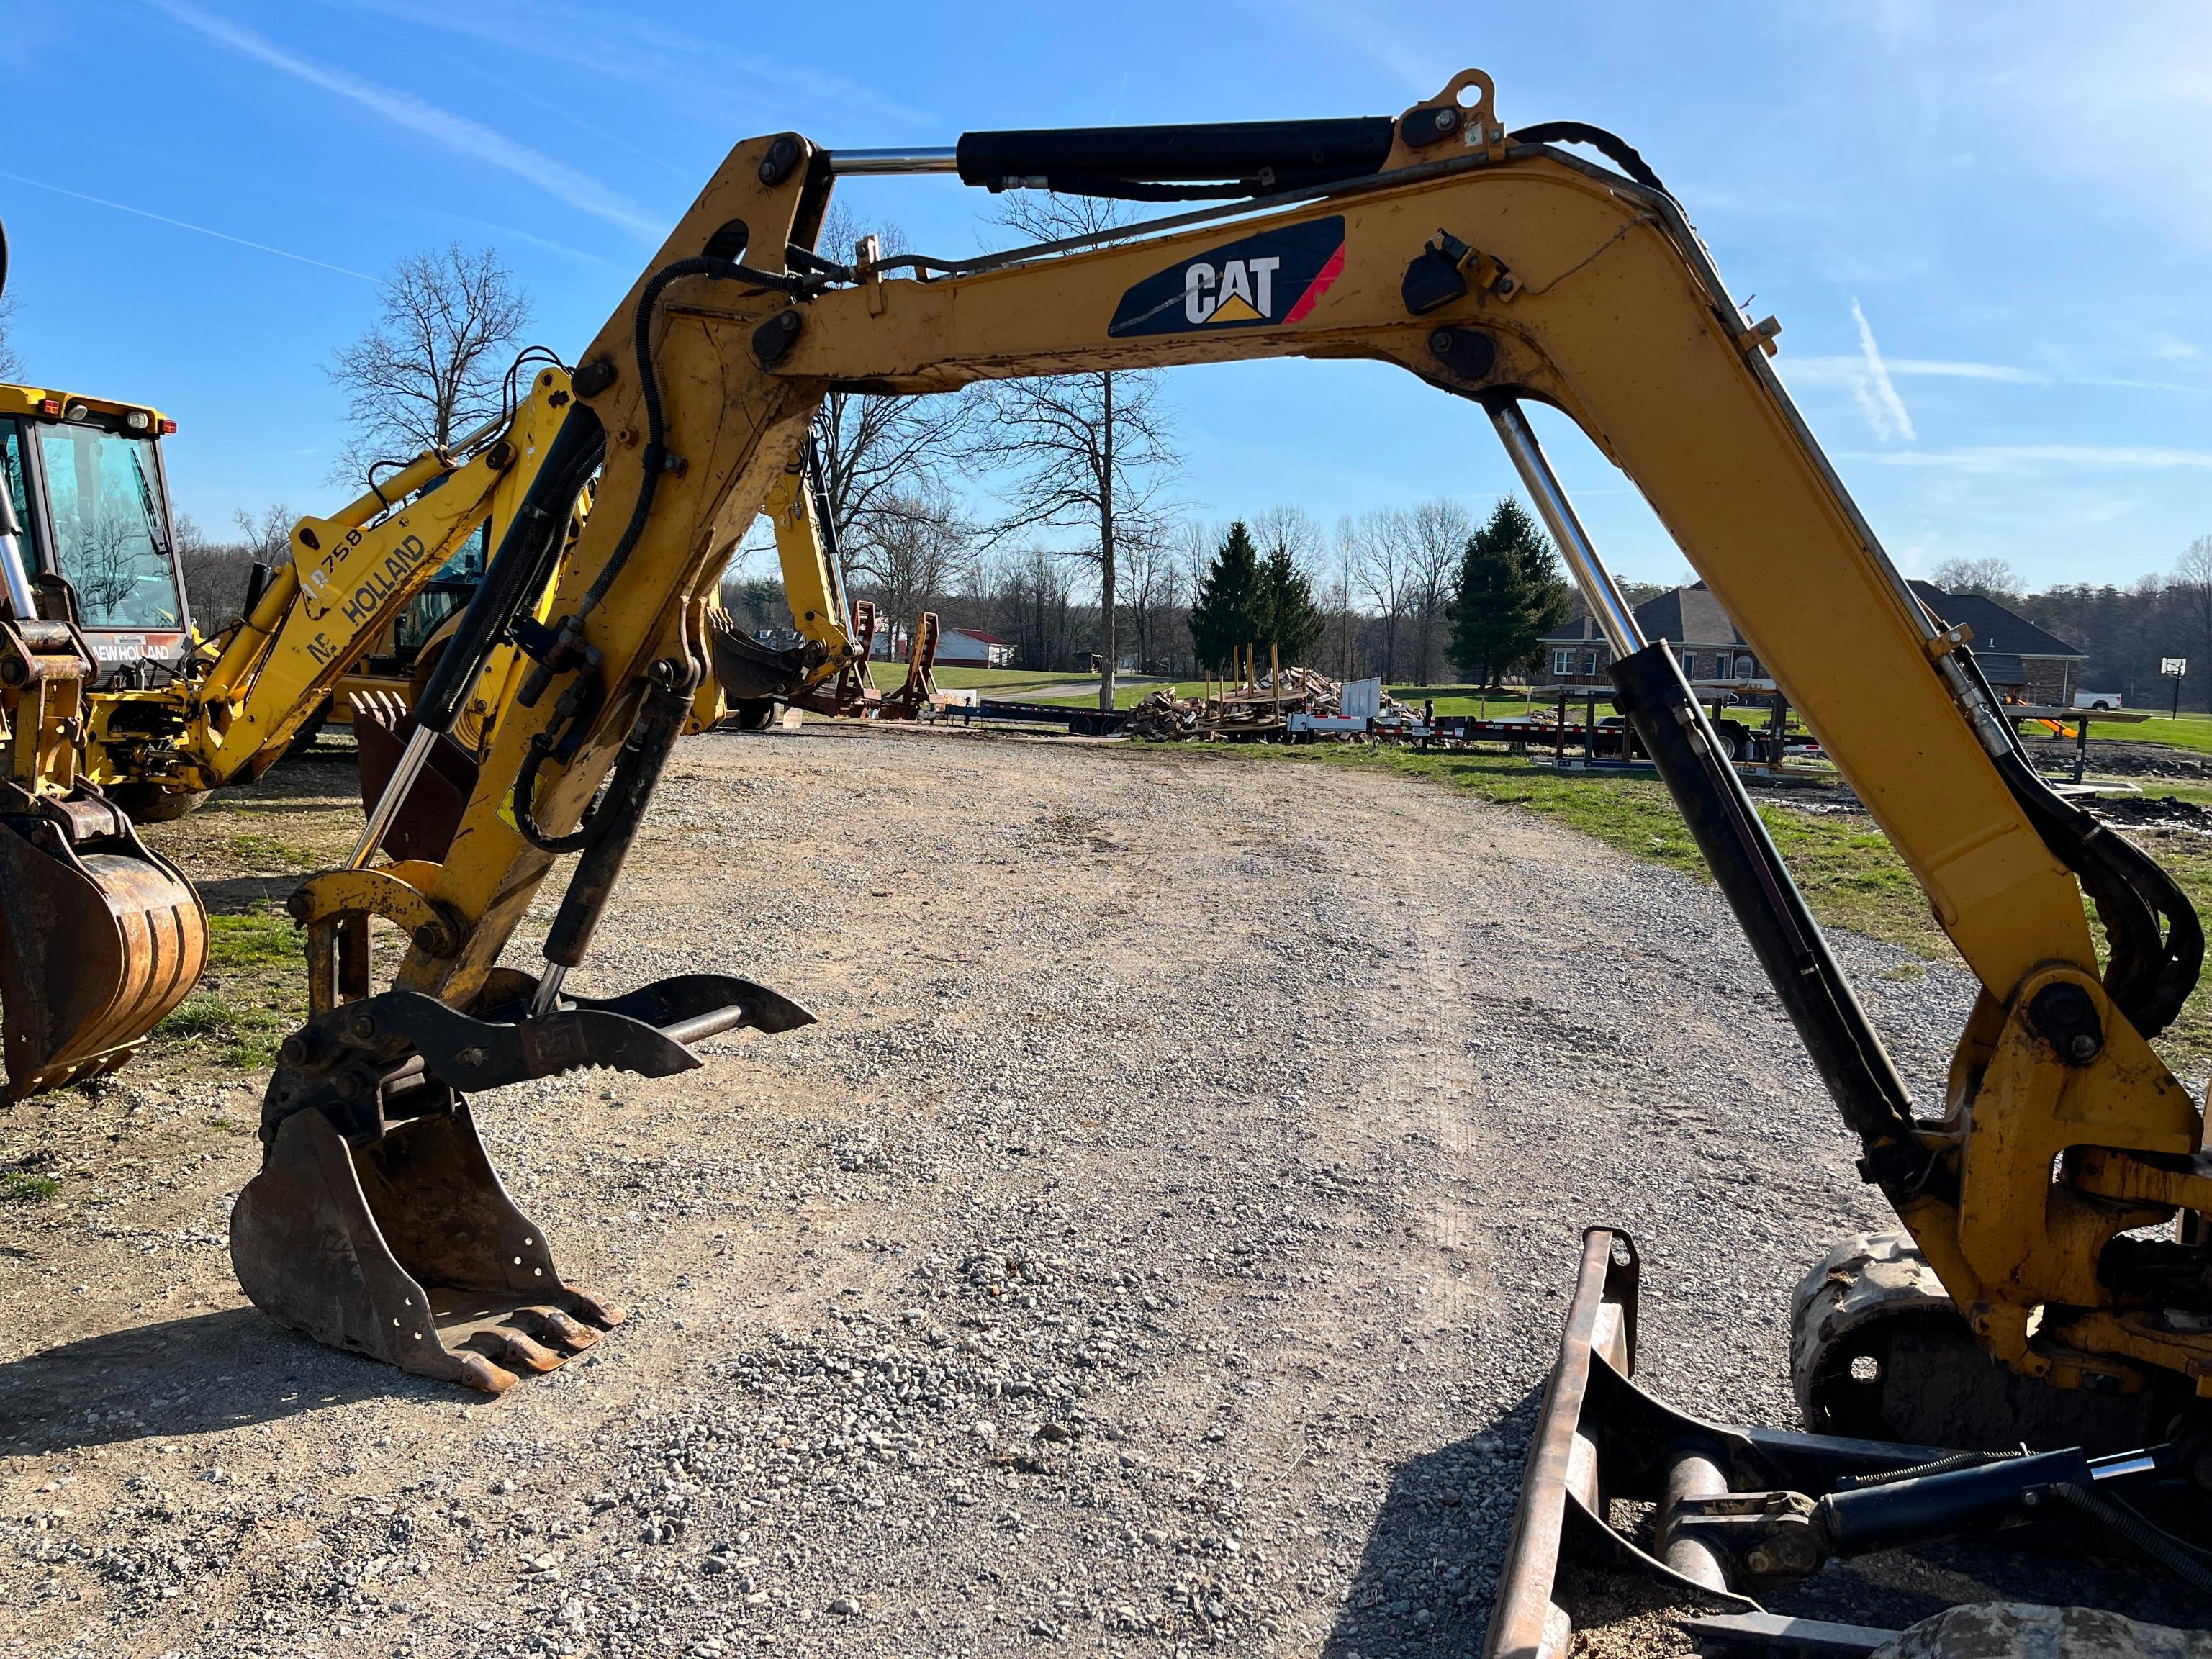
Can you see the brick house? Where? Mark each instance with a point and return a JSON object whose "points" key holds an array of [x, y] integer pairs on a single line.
{"points": [[1575, 655], [2023, 663]]}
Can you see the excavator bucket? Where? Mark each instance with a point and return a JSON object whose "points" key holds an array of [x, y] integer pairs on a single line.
{"points": [[377, 1222], [425, 823], [753, 676], [409, 1250], [100, 939]]}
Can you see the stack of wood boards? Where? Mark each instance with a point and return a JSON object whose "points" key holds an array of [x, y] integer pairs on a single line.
{"points": [[1254, 709]]}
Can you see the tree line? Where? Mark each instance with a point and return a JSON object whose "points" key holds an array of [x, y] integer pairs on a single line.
{"points": [[1074, 546]]}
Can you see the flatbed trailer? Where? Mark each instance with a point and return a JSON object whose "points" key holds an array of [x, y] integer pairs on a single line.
{"points": [[1080, 722]]}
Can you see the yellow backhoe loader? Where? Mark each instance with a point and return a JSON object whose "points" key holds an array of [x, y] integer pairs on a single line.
{"points": [[99, 937], [2053, 1281]]}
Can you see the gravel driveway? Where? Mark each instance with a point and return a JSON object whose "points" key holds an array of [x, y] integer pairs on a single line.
{"points": [[1160, 1241]]}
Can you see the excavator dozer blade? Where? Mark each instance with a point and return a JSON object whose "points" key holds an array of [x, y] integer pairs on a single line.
{"points": [[425, 824], [340, 1243], [100, 939]]}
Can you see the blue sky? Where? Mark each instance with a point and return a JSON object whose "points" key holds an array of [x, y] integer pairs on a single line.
{"points": [[1987, 229]]}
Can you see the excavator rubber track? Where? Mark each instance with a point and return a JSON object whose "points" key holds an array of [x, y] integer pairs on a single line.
{"points": [[101, 939]]}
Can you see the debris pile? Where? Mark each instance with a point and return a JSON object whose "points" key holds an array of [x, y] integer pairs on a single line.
{"points": [[1255, 709]]}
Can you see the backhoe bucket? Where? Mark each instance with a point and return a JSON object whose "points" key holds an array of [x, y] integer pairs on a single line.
{"points": [[100, 939], [431, 815], [409, 1250]]}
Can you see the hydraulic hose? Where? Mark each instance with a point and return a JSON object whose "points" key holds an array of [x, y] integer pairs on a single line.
{"points": [[653, 460], [2161, 1545], [1614, 148]]}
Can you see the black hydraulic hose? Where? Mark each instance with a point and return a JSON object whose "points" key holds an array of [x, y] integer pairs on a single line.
{"points": [[597, 818], [518, 570], [3, 259], [1614, 148], [1949, 1465], [654, 459], [2161, 1545], [2155, 942]]}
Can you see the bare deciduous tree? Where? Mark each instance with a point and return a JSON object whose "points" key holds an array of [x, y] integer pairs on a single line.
{"points": [[1437, 533], [2192, 587], [915, 547], [874, 447], [430, 369], [1992, 578], [216, 572], [1387, 569], [1153, 566], [1291, 530], [1088, 449], [11, 362]]}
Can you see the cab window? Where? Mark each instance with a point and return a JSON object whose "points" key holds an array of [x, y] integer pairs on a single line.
{"points": [[19, 487], [110, 539]]}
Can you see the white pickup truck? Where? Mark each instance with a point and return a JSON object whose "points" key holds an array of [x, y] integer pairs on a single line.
{"points": [[2103, 700]]}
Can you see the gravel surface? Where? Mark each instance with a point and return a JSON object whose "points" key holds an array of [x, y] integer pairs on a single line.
{"points": [[1160, 1241]]}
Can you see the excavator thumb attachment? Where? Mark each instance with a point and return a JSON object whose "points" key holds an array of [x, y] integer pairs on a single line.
{"points": [[426, 821], [100, 939]]}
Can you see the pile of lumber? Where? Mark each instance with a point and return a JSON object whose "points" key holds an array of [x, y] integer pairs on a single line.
{"points": [[1255, 708]]}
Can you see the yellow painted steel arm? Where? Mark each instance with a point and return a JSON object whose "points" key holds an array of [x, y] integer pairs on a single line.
{"points": [[350, 576], [813, 582], [1582, 290]]}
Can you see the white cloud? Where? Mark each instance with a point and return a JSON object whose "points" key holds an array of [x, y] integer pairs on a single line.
{"points": [[1852, 371], [455, 132], [186, 224], [1884, 411], [1998, 457]]}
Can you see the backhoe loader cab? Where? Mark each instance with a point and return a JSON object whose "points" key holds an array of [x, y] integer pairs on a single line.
{"points": [[85, 479]]}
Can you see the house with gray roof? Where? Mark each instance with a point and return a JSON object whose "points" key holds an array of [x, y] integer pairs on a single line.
{"points": [[1575, 655], [2024, 662]]}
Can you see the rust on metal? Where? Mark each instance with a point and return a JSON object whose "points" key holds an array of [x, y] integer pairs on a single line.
{"points": [[1562, 1473], [100, 939], [407, 1249]]}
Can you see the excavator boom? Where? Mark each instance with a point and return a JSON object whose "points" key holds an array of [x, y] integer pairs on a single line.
{"points": [[1500, 269]]}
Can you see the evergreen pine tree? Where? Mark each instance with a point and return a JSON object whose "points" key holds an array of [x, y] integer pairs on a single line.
{"points": [[1490, 607], [1288, 619], [1551, 601], [1224, 612], [1510, 595]]}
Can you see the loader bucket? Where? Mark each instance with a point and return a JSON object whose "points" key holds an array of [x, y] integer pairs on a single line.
{"points": [[426, 822], [100, 939], [407, 1249]]}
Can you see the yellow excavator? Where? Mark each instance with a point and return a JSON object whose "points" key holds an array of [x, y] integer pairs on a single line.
{"points": [[2052, 1283]]}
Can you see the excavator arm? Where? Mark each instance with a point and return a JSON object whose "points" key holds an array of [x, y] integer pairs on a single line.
{"points": [[348, 577], [1499, 270]]}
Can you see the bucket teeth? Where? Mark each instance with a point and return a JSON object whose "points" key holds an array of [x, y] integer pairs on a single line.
{"points": [[408, 1249], [520, 1350]]}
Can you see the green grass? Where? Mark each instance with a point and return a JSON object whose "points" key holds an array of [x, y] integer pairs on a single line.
{"points": [[1125, 696], [997, 681], [2190, 732], [20, 1186], [253, 992], [257, 851]]}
